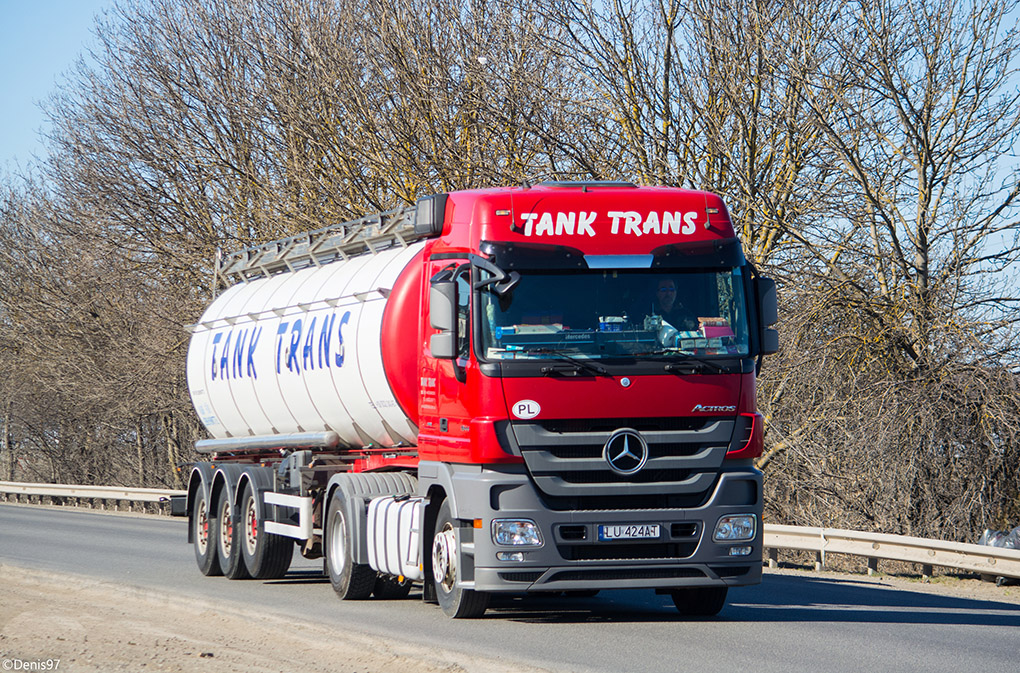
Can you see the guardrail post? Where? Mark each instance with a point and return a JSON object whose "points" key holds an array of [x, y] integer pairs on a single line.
{"points": [[926, 572], [872, 566], [773, 557]]}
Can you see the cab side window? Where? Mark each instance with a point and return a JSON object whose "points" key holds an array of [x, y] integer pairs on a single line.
{"points": [[463, 279]]}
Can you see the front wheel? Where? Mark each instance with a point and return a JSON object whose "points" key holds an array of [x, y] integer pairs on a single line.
{"points": [[457, 602], [205, 532], [699, 601]]}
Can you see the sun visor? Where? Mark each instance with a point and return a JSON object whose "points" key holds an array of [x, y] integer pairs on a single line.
{"points": [[509, 256], [725, 254]]}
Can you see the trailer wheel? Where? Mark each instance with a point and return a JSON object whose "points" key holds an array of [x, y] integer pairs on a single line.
{"points": [[205, 533], [266, 556], [350, 580], [390, 588], [228, 538], [699, 601], [457, 602]]}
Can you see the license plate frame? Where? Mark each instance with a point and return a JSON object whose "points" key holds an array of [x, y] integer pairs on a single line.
{"points": [[615, 532]]}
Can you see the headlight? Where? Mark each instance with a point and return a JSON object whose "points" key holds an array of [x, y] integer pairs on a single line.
{"points": [[735, 527], [516, 532]]}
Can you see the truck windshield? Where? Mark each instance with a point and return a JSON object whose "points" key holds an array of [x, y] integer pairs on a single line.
{"points": [[623, 313]]}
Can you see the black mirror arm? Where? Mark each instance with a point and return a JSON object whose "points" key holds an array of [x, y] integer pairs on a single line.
{"points": [[502, 281]]}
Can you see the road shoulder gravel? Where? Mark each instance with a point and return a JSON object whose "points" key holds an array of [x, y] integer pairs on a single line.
{"points": [[59, 622]]}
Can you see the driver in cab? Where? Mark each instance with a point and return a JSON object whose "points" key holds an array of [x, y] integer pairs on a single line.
{"points": [[672, 311]]}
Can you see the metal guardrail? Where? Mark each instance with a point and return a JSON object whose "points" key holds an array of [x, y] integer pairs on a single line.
{"points": [[881, 546], [874, 547], [58, 493]]}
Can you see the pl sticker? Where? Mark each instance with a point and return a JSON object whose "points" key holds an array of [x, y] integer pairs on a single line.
{"points": [[526, 409]]}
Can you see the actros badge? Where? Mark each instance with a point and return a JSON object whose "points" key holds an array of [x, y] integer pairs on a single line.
{"points": [[626, 452]]}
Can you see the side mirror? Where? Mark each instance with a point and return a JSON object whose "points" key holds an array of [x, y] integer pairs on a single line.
{"points": [[769, 342], [443, 346], [768, 306], [443, 317], [768, 302], [430, 215]]}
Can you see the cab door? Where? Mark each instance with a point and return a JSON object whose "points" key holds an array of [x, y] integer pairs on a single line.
{"points": [[444, 400]]}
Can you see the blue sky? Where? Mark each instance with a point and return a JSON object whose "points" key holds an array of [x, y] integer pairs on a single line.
{"points": [[39, 40]]}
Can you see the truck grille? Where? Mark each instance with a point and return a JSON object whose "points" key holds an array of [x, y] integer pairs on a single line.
{"points": [[564, 458]]}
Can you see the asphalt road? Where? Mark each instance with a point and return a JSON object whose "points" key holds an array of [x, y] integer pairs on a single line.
{"points": [[789, 623]]}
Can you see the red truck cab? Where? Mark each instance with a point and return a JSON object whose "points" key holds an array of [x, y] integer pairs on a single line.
{"points": [[580, 440]]}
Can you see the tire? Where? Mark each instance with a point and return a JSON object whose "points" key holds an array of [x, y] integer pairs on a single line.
{"points": [[456, 602], [205, 531], [350, 580], [266, 556], [389, 588], [581, 593], [228, 538], [699, 601]]}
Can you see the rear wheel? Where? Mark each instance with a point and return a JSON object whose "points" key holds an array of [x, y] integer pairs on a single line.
{"points": [[350, 580], [266, 556], [457, 602], [204, 532], [699, 601], [228, 539]]}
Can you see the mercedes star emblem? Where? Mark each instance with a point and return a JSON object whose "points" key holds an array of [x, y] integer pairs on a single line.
{"points": [[626, 452]]}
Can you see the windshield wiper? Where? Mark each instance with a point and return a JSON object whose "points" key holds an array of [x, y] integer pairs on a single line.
{"points": [[578, 365], [696, 366], [691, 363]]}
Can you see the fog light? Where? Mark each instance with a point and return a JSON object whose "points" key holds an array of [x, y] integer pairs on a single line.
{"points": [[510, 555], [735, 527], [741, 551], [516, 533]]}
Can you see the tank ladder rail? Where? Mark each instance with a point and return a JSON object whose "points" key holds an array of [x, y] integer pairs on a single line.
{"points": [[366, 235]]}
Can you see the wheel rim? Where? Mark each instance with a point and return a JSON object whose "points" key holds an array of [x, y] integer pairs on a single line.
{"points": [[202, 527], [337, 543], [251, 526], [226, 529], [444, 557]]}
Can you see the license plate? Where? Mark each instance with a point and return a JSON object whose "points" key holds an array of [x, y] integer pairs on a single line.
{"points": [[628, 532]]}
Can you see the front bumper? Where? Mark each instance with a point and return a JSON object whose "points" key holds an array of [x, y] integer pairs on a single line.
{"points": [[572, 557]]}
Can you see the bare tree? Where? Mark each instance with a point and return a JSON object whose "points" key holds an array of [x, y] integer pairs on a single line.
{"points": [[860, 145], [904, 309]]}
